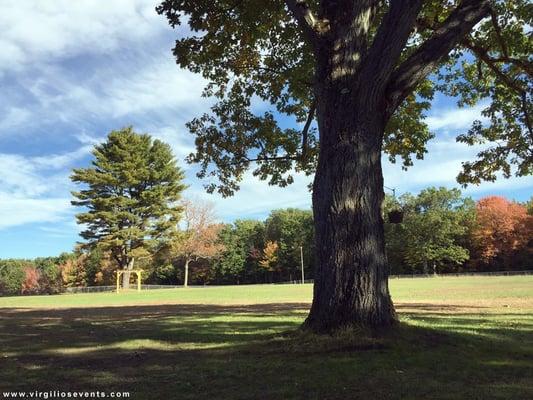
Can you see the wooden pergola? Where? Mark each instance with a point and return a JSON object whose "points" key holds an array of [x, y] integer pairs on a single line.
{"points": [[137, 272]]}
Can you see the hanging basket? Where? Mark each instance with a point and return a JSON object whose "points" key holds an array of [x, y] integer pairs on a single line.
{"points": [[395, 216]]}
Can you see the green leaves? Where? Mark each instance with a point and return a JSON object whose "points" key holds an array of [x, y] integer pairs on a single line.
{"points": [[434, 229], [496, 68], [130, 194], [252, 55], [261, 71]]}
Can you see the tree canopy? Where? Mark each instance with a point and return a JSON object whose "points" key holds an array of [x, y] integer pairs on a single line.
{"points": [[258, 59], [199, 238], [503, 231]]}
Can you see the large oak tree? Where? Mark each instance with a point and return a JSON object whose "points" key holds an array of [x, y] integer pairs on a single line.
{"points": [[358, 75]]}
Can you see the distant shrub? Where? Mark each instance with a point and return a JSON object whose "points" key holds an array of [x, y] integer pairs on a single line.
{"points": [[11, 277], [50, 280]]}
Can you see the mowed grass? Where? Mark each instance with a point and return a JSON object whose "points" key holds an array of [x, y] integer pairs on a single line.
{"points": [[459, 338]]}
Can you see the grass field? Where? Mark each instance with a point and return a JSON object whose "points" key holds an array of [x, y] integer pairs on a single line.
{"points": [[468, 337]]}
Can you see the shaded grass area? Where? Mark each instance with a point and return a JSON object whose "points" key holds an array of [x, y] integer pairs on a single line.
{"points": [[234, 352], [443, 349]]}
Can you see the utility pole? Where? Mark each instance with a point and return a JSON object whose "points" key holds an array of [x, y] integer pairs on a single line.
{"points": [[302, 263]]}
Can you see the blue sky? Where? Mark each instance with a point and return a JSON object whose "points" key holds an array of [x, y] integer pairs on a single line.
{"points": [[71, 71]]}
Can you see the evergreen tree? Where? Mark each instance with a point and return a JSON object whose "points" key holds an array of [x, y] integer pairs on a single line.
{"points": [[131, 195]]}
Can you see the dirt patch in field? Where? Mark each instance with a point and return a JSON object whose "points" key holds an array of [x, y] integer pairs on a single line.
{"points": [[156, 310], [481, 306]]}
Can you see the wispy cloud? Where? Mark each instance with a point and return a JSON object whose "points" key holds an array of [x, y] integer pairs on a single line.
{"points": [[13, 116], [256, 198], [47, 30], [20, 211], [440, 167], [36, 189], [454, 118]]}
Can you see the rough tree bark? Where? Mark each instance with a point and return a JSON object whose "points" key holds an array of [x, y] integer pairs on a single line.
{"points": [[351, 278], [358, 86]]}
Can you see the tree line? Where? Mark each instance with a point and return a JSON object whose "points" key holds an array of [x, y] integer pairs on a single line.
{"points": [[441, 232], [134, 216]]}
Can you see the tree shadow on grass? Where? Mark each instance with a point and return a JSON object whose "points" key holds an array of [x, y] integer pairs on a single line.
{"points": [[250, 352]]}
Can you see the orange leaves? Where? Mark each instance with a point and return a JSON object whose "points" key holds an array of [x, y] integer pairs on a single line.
{"points": [[503, 227], [270, 256]]}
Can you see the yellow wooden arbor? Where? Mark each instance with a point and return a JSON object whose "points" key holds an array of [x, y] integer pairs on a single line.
{"points": [[137, 272]]}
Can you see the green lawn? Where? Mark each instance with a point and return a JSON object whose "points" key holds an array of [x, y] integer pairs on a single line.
{"points": [[468, 338]]}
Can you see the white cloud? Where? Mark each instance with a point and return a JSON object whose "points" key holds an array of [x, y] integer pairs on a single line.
{"points": [[58, 161], [154, 94], [34, 176], [178, 138], [455, 118], [440, 167], [20, 176], [160, 85], [19, 211], [35, 31], [256, 198], [36, 189]]}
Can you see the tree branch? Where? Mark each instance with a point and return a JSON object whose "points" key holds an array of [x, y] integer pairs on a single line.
{"points": [[390, 40], [483, 55], [305, 131], [428, 56], [262, 159], [306, 19], [498, 30]]}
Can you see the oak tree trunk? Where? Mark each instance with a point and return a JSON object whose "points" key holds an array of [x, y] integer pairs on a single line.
{"points": [[351, 280]]}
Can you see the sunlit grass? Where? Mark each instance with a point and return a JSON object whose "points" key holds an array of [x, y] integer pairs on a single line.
{"points": [[402, 290]]}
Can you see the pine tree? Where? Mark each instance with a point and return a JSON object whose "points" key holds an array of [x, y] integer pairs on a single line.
{"points": [[131, 196]]}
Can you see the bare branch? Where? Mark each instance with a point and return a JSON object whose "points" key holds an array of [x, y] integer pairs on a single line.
{"points": [[428, 56]]}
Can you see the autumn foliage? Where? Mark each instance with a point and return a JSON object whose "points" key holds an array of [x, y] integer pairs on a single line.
{"points": [[30, 285], [200, 238], [270, 256], [503, 232]]}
